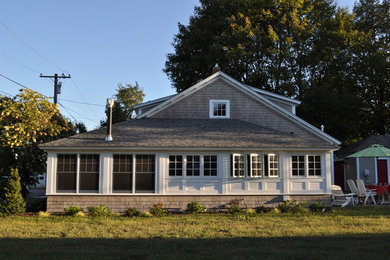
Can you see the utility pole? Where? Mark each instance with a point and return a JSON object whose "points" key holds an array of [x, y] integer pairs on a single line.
{"points": [[56, 83]]}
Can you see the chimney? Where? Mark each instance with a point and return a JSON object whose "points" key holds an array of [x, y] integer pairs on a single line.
{"points": [[110, 104], [216, 69]]}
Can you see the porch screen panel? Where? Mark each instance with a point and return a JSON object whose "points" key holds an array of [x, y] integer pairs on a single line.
{"points": [[314, 166], [123, 173], [89, 173], [144, 173], [66, 172]]}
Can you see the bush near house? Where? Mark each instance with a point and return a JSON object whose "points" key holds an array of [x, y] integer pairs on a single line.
{"points": [[12, 201], [292, 207], [158, 210], [99, 211], [195, 207], [72, 210], [131, 212]]}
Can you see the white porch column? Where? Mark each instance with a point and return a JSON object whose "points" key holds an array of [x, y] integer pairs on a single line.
{"points": [[285, 169], [105, 173], [50, 173], [328, 170]]}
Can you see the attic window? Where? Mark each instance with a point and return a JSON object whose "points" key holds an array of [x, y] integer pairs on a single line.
{"points": [[219, 109]]}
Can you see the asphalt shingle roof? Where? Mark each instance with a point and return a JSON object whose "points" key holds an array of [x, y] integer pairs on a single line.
{"points": [[187, 133]]}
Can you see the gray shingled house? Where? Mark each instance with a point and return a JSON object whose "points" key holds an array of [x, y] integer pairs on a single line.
{"points": [[215, 142]]}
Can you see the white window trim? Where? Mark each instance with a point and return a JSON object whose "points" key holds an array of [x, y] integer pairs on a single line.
{"points": [[306, 167], [269, 163], [250, 165], [183, 165], [245, 165], [219, 101]]}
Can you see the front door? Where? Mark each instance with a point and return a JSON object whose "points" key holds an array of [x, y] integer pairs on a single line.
{"points": [[382, 172]]}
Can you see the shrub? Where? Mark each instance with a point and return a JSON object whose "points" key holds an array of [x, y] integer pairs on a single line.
{"points": [[72, 210], [234, 207], [35, 204], [261, 209], [292, 207], [115, 214], [43, 214], [79, 214], [250, 211], [195, 207], [158, 210], [12, 201], [130, 212], [99, 211], [145, 214], [275, 211], [317, 207]]}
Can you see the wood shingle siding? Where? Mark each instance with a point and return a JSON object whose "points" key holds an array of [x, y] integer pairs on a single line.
{"points": [[242, 107]]}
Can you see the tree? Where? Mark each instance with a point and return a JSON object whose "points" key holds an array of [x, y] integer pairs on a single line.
{"points": [[27, 120], [372, 63], [126, 98], [12, 201], [300, 49]]}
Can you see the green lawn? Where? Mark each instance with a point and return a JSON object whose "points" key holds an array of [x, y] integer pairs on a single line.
{"points": [[356, 233]]}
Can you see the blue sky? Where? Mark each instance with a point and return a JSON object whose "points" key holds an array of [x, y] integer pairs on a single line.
{"points": [[99, 42]]}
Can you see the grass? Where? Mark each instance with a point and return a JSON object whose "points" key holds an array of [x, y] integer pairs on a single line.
{"points": [[356, 233]]}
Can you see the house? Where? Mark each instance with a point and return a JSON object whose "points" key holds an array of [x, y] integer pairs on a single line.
{"points": [[371, 170], [216, 142]]}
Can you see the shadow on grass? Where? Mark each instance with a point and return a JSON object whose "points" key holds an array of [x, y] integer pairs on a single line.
{"points": [[327, 247]]}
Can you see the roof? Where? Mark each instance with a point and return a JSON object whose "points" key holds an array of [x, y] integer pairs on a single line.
{"points": [[275, 96], [152, 133], [363, 144], [153, 102], [375, 150], [248, 90]]}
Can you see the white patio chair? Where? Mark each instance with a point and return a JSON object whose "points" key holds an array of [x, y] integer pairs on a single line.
{"points": [[367, 193], [341, 199], [354, 189]]}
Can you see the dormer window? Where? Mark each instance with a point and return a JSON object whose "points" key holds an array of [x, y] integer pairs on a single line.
{"points": [[219, 109]]}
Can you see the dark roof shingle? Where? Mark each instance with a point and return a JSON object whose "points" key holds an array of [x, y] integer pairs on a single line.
{"points": [[187, 133]]}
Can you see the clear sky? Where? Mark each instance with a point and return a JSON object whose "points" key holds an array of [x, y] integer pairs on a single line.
{"points": [[100, 43]]}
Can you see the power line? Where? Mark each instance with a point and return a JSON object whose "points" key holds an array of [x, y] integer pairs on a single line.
{"points": [[69, 113], [5, 93], [18, 62], [31, 48], [57, 85], [79, 114], [78, 102], [23, 86], [82, 96]]}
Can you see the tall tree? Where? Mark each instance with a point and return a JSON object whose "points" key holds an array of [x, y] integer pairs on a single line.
{"points": [[27, 120], [300, 49], [372, 64], [12, 201], [126, 98]]}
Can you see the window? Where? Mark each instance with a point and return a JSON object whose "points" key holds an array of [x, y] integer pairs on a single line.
{"points": [[298, 165], [193, 165], [210, 165], [254, 165], [122, 173], [144, 176], [238, 165], [314, 165], [175, 165], [273, 165], [66, 172], [89, 173], [219, 109], [256, 162]]}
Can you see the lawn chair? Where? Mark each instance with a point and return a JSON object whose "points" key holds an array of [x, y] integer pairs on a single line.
{"points": [[353, 188], [341, 199], [367, 193]]}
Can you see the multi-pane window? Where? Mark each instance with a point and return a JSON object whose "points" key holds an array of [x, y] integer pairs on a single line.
{"points": [[256, 162], [238, 165], [219, 108], [193, 165], [298, 165], [314, 165], [273, 165], [175, 165], [89, 173], [66, 172], [210, 165], [122, 173], [144, 176]]}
